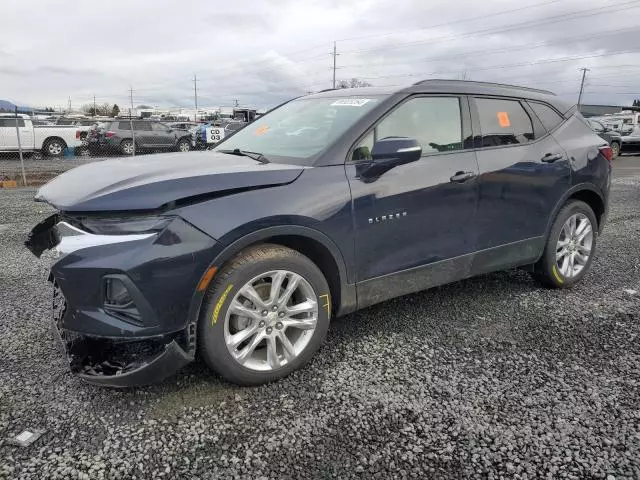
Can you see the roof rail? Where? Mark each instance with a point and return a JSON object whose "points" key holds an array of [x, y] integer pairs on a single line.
{"points": [[547, 92], [327, 90]]}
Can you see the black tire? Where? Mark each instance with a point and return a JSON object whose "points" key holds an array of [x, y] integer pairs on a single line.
{"points": [[615, 147], [54, 148], [184, 145], [546, 271], [127, 147], [241, 269]]}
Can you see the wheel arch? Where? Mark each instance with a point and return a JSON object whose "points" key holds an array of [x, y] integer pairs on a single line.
{"points": [[312, 243], [48, 140], [587, 193]]}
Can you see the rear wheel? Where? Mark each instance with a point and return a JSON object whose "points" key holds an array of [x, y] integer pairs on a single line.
{"points": [[570, 247], [54, 147], [265, 315], [126, 147]]}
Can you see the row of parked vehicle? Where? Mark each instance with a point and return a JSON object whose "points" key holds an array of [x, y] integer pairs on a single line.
{"points": [[115, 135], [622, 131]]}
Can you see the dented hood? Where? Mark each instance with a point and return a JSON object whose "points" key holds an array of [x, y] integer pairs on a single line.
{"points": [[152, 181]]}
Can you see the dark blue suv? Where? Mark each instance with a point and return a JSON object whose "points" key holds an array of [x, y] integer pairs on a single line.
{"points": [[327, 204]]}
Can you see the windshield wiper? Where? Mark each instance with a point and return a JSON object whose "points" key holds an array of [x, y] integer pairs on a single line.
{"points": [[245, 153]]}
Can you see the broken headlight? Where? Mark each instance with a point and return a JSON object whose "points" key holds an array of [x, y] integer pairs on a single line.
{"points": [[125, 225]]}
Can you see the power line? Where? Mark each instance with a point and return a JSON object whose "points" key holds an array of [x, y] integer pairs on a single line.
{"points": [[505, 28], [455, 22]]}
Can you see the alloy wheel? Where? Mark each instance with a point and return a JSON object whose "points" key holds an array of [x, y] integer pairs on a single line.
{"points": [[55, 148], [184, 147], [573, 248], [271, 320]]}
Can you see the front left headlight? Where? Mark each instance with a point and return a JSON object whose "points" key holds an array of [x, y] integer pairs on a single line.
{"points": [[125, 225]]}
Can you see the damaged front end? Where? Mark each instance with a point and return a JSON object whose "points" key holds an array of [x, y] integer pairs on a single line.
{"points": [[118, 362], [122, 298]]}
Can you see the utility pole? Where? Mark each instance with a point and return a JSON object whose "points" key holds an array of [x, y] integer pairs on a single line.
{"points": [[133, 133], [195, 95], [69, 109], [335, 55], [236, 104], [584, 74], [94, 105]]}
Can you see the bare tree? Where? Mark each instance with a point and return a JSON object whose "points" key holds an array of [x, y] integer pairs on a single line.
{"points": [[353, 83]]}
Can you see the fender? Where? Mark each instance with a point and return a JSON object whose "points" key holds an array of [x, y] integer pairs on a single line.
{"points": [[348, 299], [576, 188]]}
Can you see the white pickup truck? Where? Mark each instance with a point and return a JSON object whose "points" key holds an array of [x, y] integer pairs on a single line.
{"points": [[50, 140]]}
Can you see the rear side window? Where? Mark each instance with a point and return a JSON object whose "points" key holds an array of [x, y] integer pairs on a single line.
{"points": [[548, 116], [11, 122], [503, 122]]}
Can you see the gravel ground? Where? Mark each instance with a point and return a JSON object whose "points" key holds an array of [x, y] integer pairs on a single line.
{"points": [[491, 377]]}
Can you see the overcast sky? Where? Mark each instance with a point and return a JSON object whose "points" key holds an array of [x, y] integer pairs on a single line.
{"points": [[264, 52]]}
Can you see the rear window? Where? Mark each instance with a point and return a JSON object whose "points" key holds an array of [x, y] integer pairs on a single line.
{"points": [[548, 116], [503, 122]]}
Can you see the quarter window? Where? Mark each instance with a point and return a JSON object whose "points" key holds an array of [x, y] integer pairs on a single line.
{"points": [[548, 116], [435, 122], [503, 122]]}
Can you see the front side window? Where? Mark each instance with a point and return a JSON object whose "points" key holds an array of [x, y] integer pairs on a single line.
{"points": [[158, 127], [435, 122], [503, 122], [301, 129]]}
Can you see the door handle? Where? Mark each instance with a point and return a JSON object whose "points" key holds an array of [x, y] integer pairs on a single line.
{"points": [[461, 177], [551, 157]]}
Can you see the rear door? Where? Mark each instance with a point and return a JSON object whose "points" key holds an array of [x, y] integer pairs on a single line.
{"points": [[144, 134], [419, 214], [163, 137], [524, 172]]}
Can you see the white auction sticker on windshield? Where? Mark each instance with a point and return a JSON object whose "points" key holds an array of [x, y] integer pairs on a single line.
{"points": [[350, 102]]}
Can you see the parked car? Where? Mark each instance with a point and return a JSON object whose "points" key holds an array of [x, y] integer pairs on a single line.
{"points": [[116, 136], [246, 252], [631, 139], [611, 136], [50, 140], [209, 134]]}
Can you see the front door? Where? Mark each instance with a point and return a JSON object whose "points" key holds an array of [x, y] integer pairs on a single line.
{"points": [[415, 224]]}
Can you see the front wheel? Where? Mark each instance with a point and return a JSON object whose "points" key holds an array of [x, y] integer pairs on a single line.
{"points": [[264, 316], [184, 145], [570, 247], [615, 148]]}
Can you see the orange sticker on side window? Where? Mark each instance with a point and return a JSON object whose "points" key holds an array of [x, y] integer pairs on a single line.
{"points": [[262, 130], [503, 119]]}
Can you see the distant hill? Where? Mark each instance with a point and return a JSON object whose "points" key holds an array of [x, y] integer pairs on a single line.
{"points": [[7, 106]]}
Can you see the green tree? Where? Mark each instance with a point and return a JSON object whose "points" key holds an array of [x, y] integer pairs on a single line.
{"points": [[115, 111]]}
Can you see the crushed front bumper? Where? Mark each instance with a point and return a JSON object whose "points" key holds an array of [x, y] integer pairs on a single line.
{"points": [[160, 271]]}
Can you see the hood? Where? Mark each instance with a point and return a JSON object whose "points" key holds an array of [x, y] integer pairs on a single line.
{"points": [[152, 181]]}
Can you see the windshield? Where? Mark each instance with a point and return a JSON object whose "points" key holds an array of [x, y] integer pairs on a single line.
{"points": [[296, 132]]}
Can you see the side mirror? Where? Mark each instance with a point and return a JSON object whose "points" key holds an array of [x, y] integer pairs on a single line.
{"points": [[389, 153]]}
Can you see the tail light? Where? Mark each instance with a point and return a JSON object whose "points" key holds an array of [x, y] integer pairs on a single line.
{"points": [[607, 152], [77, 134], [109, 134]]}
